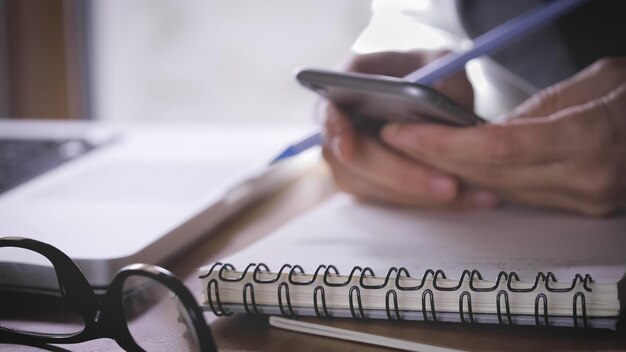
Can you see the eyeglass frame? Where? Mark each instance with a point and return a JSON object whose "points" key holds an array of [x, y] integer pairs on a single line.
{"points": [[103, 317]]}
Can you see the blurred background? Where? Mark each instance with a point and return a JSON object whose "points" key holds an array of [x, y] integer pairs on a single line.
{"points": [[168, 60]]}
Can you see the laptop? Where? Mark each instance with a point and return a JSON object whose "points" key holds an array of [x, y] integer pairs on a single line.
{"points": [[109, 196]]}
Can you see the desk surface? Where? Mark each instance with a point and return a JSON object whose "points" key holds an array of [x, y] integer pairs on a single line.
{"points": [[253, 333]]}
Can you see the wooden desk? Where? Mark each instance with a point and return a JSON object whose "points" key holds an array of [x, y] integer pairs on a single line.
{"points": [[252, 333]]}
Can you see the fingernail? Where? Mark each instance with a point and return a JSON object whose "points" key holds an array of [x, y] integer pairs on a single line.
{"points": [[336, 143], [442, 188], [485, 199]]}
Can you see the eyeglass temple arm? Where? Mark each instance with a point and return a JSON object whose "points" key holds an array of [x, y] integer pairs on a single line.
{"points": [[72, 283]]}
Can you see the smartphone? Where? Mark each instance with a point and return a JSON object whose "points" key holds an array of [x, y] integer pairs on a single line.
{"points": [[379, 99]]}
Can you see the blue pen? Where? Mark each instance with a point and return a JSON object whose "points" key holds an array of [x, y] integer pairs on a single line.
{"points": [[295, 149], [487, 43]]}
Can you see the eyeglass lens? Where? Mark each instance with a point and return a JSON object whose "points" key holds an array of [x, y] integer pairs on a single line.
{"points": [[156, 318], [30, 299]]}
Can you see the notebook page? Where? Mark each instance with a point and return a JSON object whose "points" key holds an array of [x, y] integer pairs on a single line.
{"points": [[347, 233]]}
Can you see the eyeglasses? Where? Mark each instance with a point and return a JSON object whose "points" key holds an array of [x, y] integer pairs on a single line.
{"points": [[146, 308]]}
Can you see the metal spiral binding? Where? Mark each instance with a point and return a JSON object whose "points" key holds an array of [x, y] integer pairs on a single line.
{"points": [[584, 309], [301, 271], [266, 269], [401, 272], [371, 272], [501, 275], [336, 272], [249, 287], [541, 297], [288, 299], [203, 276], [358, 298], [514, 276], [219, 310], [585, 281], [506, 306], [546, 280], [443, 276], [315, 305], [469, 307], [428, 292], [396, 310], [229, 267], [404, 271]]}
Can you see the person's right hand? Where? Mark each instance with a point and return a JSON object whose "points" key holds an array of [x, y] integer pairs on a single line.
{"points": [[369, 170], [565, 148]]}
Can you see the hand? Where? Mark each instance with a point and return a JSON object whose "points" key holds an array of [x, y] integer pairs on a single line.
{"points": [[565, 147], [369, 170]]}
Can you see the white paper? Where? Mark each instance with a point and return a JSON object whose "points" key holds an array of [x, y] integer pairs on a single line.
{"points": [[346, 233]]}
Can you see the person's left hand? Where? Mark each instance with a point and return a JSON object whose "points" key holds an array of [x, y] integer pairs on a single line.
{"points": [[567, 152]]}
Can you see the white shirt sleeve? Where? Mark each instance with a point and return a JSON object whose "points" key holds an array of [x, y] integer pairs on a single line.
{"points": [[411, 24]]}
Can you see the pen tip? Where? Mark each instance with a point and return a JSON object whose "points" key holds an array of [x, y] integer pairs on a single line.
{"points": [[284, 155]]}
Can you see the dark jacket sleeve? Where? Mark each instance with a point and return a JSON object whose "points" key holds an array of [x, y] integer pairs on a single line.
{"points": [[555, 52]]}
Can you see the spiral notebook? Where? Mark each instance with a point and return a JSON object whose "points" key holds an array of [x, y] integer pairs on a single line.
{"points": [[510, 265]]}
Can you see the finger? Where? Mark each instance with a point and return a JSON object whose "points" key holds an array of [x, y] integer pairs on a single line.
{"points": [[378, 165], [393, 63], [591, 83], [366, 190], [522, 154], [592, 173], [592, 183], [585, 128], [511, 178], [382, 166], [339, 134], [521, 142], [350, 181]]}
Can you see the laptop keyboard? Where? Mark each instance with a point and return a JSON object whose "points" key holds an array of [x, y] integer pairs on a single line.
{"points": [[23, 159]]}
